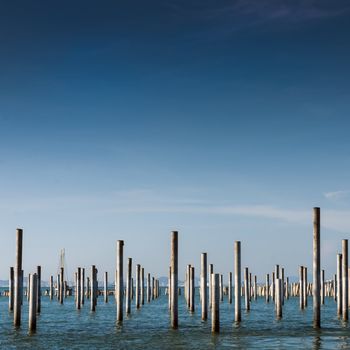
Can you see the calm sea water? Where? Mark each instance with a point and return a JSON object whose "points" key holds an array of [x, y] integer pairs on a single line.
{"points": [[63, 327]]}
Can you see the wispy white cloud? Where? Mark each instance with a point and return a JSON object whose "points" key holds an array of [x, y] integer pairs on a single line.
{"points": [[337, 195]]}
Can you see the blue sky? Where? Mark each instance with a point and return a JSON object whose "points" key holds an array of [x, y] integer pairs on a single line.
{"points": [[125, 121]]}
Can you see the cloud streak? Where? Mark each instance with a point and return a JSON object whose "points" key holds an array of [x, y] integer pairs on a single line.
{"points": [[336, 195]]}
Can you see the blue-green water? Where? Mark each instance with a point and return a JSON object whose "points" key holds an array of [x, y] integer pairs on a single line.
{"points": [[64, 327]]}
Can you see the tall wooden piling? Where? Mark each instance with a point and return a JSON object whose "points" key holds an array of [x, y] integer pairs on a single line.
{"points": [[82, 286], [62, 293], [142, 286], [192, 289], [215, 310], [32, 302], [38, 303], [255, 287], [138, 275], [322, 287], [93, 289], [246, 289], [149, 292], [237, 267], [305, 288], [221, 284], [339, 285], [78, 291], [345, 279], [316, 268], [128, 287], [18, 279], [51, 287], [174, 279], [301, 287], [267, 286], [119, 281], [230, 287], [278, 298], [204, 289], [188, 285], [11, 289], [105, 287], [211, 271]]}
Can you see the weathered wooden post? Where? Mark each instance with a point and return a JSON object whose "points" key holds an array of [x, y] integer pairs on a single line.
{"points": [[62, 294], [204, 289], [119, 282], [339, 285], [282, 285], [51, 287], [250, 287], [305, 288], [322, 287], [38, 292], [88, 288], [345, 278], [278, 298], [273, 286], [149, 292], [153, 289], [18, 279], [128, 287], [246, 289], [105, 287], [11, 289], [137, 299], [221, 287], [255, 287], [58, 281], [32, 302], [142, 286], [93, 289], [188, 285], [174, 279], [230, 287], [316, 268], [211, 271], [238, 283], [192, 289], [287, 288], [301, 287], [215, 310], [78, 291], [82, 284], [267, 295]]}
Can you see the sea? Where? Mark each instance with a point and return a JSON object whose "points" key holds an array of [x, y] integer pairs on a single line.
{"points": [[64, 327]]}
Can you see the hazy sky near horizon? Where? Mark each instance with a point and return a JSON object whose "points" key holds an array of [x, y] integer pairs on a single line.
{"points": [[226, 121]]}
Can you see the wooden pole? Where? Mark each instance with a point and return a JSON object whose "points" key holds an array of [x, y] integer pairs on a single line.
{"points": [[93, 289], [32, 302], [149, 292], [305, 288], [62, 294], [339, 285], [221, 287], [192, 289], [18, 280], [51, 288], [204, 289], [230, 287], [278, 297], [38, 303], [345, 278], [128, 287], [11, 289], [238, 282], [137, 299], [322, 287], [82, 284], [119, 281], [267, 295], [174, 279], [255, 287], [78, 291], [105, 287], [142, 286], [188, 286], [246, 289], [211, 271], [316, 268], [301, 287], [215, 310]]}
